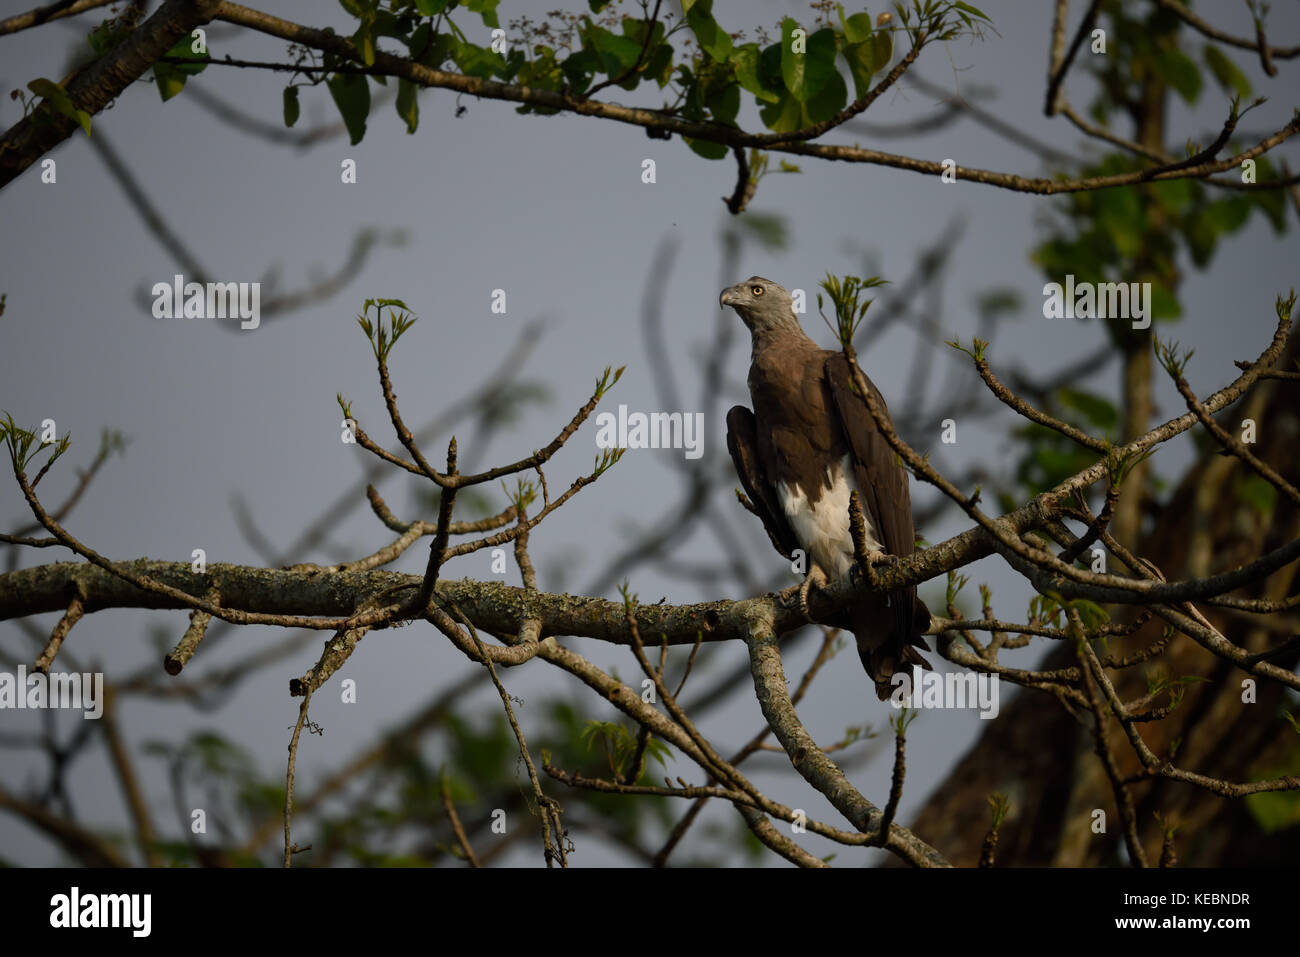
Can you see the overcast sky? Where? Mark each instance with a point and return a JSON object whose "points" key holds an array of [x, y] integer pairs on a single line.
{"points": [[553, 210]]}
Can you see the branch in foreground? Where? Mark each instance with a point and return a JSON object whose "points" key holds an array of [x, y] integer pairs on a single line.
{"points": [[103, 81]]}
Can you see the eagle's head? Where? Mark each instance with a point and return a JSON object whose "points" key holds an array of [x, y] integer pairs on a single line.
{"points": [[761, 304]]}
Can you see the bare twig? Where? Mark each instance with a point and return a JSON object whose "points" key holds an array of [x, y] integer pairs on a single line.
{"points": [[461, 838], [289, 847]]}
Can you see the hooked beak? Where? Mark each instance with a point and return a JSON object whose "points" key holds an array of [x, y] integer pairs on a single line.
{"points": [[728, 297]]}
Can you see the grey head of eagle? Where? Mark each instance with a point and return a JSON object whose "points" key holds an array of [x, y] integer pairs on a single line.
{"points": [[810, 440], [763, 306]]}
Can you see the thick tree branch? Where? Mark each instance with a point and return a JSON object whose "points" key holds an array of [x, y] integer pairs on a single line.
{"points": [[101, 82]]}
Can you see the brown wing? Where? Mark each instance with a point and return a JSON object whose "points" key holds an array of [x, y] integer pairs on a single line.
{"points": [[742, 443], [882, 482], [881, 479]]}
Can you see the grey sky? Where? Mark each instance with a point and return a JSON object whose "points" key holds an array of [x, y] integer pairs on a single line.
{"points": [[553, 210]]}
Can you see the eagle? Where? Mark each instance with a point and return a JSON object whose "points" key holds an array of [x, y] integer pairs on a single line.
{"points": [[809, 441]]}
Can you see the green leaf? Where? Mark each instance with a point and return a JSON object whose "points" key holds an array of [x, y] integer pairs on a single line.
{"points": [[660, 67], [612, 737], [1226, 72], [658, 58], [408, 108], [861, 58], [792, 64], [769, 69], [806, 74], [768, 229], [1257, 492], [617, 53], [1202, 233], [477, 61], [59, 100], [579, 68], [438, 51], [184, 49], [712, 38], [1163, 303], [364, 41], [658, 750], [598, 5], [973, 11], [1097, 411], [783, 116], [1174, 194], [487, 9], [788, 114], [857, 28], [1233, 212], [169, 81], [1119, 212], [291, 107], [171, 77], [430, 8], [724, 102], [107, 35], [351, 95], [827, 102], [707, 148], [1180, 72], [636, 29], [515, 61], [380, 304], [883, 43], [389, 25], [542, 71], [1274, 811], [744, 60]]}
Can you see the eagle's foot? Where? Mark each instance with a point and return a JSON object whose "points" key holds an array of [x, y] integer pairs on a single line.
{"points": [[867, 570], [816, 578]]}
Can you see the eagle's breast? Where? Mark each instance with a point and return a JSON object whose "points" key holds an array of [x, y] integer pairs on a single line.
{"points": [[821, 520]]}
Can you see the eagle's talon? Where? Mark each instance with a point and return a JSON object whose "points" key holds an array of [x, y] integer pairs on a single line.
{"points": [[868, 574], [815, 578]]}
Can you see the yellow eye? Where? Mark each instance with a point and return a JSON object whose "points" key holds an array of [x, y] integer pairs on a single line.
{"points": [[756, 290]]}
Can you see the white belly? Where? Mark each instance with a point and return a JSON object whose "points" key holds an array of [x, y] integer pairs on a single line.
{"points": [[823, 530]]}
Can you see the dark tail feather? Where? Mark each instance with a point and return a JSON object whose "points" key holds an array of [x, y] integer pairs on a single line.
{"points": [[888, 638]]}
